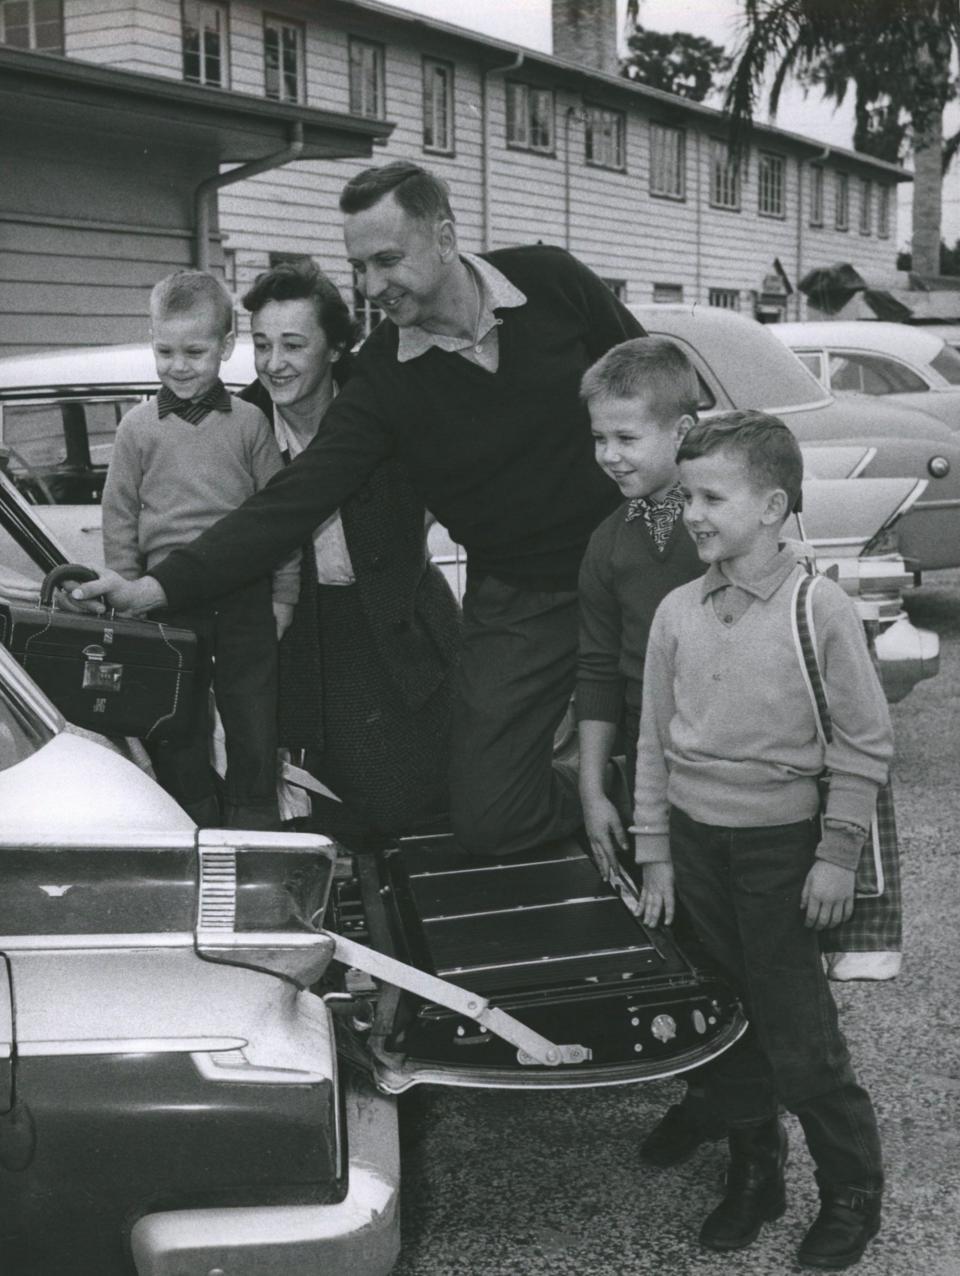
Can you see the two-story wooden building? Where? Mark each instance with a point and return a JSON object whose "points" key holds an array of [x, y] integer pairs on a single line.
{"points": [[640, 184]]}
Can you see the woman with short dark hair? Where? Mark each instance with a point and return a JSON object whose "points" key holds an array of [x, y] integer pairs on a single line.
{"points": [[365, 666]]}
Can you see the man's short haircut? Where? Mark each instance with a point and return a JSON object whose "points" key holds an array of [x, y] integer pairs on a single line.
{"points": [[649, 368], [766, 448], [420, 193], [305, 281], [187, 290]]}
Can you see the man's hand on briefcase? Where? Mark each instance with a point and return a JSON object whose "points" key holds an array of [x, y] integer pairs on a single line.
{"points": [[130, 597]]}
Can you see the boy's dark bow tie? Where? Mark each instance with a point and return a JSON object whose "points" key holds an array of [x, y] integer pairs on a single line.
{"points": [[216, 399]]}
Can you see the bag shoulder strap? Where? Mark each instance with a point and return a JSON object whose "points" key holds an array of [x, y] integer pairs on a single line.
{"points": [[804, 638]]}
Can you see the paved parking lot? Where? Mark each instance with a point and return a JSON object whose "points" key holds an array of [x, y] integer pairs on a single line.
{"points": [[527, 1184]]}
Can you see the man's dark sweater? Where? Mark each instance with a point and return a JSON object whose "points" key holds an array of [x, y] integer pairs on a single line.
{"points": [[504, 460]]}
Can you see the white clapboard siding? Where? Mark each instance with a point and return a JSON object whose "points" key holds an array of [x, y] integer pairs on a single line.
{"points": [[609, 219]]}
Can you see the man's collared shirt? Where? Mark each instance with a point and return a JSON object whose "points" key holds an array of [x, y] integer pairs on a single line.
{"points": [[731, 598], [494, 292], [193, 411], [659, 517]]}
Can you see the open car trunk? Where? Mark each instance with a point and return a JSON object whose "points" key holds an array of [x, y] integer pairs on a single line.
{"points": [[543, 939]]}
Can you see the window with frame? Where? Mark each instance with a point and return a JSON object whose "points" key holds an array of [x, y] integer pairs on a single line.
{"points": [[724, 176], [883, 212], [852, 372], [283, 59], [841, 202], [32, 24], [365, 312], [664, 294], [816, 195], [205, 43], [724, 298], [438, 106], [866, 206], [605, 138], [530, 118], [367, 88], [771, 197], [668, 161], [618, 287]]}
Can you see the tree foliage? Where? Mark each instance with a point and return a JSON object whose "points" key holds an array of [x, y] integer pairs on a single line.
{"points": [[896, 54], [687, 65]]}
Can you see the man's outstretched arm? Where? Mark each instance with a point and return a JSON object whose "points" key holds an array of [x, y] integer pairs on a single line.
{"points": [[248, 543]]}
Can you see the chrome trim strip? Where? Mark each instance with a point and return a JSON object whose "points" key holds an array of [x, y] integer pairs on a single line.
{"points": [[130, 1045], [205, 1062], [111, 841], [493, 868], [522, 908], [278, 939], [57, 943], [541, 962]]}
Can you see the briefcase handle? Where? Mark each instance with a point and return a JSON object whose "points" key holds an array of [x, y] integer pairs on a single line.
{"points": [[66, 571]]}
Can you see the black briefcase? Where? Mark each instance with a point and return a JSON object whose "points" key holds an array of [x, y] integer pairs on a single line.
{"points": [[106, 673]]}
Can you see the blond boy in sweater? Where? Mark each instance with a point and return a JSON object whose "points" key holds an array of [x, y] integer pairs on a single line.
{"points": [[180, 462]]}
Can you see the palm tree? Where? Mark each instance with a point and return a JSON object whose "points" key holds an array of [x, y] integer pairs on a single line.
{"points": [[905, 43]]}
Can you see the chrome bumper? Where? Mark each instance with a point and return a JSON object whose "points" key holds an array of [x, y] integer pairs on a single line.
{"points": [[907, 655], [361, 1233]]}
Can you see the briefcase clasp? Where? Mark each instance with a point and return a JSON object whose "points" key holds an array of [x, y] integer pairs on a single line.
{"points": [[100, 674]]}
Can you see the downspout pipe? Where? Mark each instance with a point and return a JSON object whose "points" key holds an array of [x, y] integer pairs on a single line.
{"points": [[486, 216], [202, 199]]}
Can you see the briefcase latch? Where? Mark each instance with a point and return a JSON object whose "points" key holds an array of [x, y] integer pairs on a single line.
{"points": [[100, 674]]}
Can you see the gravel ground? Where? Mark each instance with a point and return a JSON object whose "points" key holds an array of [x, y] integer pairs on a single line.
{"points": [[551, 1183]]}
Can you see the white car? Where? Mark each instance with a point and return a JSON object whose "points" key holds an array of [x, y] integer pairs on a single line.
{"points": [[908, 365]]}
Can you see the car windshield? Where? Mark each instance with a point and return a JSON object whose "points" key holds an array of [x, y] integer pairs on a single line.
{"points": [[947, 363], [20, 737]]}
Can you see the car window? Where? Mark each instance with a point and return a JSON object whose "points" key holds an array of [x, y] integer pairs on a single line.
{"points": [[811, 361], [858, 373], [947, 363], [57, 452], [706, 399]]}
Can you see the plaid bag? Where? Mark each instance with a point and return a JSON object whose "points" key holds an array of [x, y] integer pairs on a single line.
{"points": [[867, 945]]}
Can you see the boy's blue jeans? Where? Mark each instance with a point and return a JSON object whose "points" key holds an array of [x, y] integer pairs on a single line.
{"points": [[741, 888]]}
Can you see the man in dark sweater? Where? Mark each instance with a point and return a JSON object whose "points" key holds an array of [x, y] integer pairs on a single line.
{"points": [[474, 387]]}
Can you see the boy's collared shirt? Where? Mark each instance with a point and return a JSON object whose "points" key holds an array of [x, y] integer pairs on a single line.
{"points": [[193, 411], [732, 597], [494, 292], [659, 517]]}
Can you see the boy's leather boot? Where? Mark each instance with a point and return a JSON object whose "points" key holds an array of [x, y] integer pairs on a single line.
{"points": [[755, 1189], [849, 1218]]}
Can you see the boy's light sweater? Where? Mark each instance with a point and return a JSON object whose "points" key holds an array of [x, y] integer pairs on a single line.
{"points": [[169, 481], [728, 733]]}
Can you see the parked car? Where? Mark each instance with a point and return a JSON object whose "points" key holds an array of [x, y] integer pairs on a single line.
{"points": [[742, 365], [202, 1033], [948, 332], [906, 365]]}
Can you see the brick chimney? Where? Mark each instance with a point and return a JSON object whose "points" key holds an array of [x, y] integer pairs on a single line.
{"points": [[585, 31]]}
